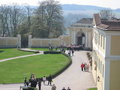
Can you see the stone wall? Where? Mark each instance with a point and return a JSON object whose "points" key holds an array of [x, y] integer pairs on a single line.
{"points": [[55, 42], [10, 42]]}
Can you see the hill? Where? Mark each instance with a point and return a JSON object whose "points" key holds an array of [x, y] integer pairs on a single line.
{"points": [[73, 12]]}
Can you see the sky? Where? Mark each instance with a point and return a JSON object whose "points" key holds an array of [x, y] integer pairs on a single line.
{"points": [[114, 4]]}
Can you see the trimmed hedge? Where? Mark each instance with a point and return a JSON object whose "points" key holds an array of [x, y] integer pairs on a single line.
{"points": [[52, 52], [30, 88]]}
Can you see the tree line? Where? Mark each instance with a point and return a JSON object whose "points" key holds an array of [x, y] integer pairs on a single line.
{"points": [[45, 21]]}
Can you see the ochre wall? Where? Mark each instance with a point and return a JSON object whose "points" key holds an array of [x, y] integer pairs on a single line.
{"points": [[62, 40], [8, 42], [115, 75], [115, 45]]}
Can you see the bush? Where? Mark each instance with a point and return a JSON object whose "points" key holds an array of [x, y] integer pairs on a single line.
{"points": [[30, 88], [52, 52]]}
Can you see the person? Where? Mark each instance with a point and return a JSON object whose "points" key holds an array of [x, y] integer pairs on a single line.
{"points": [[72, 52], [49, 80], [44, 79], [69, 52], [87, 67], [39, 83], [68, 88], [82, 66], [33, 80], [53, 87], [63, 88], [26, 82]]}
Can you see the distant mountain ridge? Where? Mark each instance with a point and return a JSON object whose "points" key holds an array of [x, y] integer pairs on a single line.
{"points": [[81, 7], [84, 7], [74, 12]]}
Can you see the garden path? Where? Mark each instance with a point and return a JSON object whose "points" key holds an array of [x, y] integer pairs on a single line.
{"points": [[73, 77], [24, 49]]}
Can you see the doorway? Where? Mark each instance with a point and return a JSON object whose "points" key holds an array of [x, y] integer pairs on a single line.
{"points": [[79, 40]]}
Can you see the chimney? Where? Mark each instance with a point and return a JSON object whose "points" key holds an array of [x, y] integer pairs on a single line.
{"points": [[96, 19]]}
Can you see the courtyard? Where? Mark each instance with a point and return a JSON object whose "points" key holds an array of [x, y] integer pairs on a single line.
{"points": [[72, 77]]}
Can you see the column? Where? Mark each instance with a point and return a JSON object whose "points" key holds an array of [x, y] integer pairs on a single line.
{"points": [[19, 41], [74, 37], [86, 37], [106, 83], [29, 41]]}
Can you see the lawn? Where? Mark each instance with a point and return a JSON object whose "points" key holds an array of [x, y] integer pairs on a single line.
{"points": [[8, 53], [14, 71], [92, 89]]}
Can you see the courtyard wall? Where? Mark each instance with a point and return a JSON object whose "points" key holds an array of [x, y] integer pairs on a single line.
{"points": [[10, 42], [64, 40]]}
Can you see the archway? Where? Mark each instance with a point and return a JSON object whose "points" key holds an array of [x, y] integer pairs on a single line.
{"points": [[80, 38]]}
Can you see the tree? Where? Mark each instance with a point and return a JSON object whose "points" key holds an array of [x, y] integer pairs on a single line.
{"points": [[10, 18], [4, 20], [49, 19], [106, 14]]}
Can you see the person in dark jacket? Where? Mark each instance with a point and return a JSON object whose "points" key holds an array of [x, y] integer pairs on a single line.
{"points": [[33, 81], [39, 80], [49, 80], [63, 88]]}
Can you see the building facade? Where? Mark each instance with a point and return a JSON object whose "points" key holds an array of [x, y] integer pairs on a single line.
{"points": [[106, 53], [81, 32]]}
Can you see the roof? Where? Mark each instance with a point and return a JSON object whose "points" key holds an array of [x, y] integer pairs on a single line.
{"points": [[85, 21], [108, 25]]}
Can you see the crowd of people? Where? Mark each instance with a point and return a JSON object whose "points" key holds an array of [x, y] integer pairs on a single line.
{"points": [[33, 81]]}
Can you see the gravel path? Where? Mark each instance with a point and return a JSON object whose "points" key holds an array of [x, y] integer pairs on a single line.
{"points": [[24, 49], [73, 77]]}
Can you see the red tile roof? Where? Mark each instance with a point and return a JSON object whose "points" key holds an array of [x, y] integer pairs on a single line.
{"points": [[109, 25]]}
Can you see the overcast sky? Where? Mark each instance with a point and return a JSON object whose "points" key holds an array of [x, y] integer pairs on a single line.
{"points": [[104, 3]]}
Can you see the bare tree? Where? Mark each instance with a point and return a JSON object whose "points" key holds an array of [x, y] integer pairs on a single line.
{"points": [[107, 14], [4, 20], [49, 14]]}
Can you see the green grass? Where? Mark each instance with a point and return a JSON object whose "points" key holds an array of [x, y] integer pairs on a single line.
{"points": [[92, 89], [14, 71], [8, 53]]}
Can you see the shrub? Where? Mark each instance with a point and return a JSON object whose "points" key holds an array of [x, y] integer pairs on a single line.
{"points": [[30, 88], [52, 52]]}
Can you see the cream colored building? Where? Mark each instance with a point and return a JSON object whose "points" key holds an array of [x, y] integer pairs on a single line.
{"points": [[106, 53], [81, 32]]}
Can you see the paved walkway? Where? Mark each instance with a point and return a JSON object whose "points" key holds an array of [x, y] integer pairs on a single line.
{"points": [[24, 49], [72, 77]]}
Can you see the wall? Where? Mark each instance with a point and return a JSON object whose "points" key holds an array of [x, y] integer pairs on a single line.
{"points": [[114, 75], [55, 42], [115, 45], [10, 42]]}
